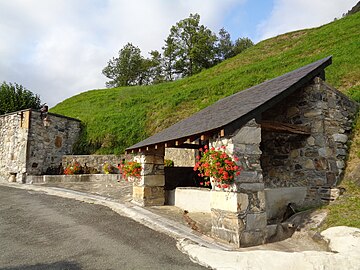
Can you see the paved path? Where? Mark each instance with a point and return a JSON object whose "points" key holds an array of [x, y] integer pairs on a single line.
{"points": [[38, 231]]}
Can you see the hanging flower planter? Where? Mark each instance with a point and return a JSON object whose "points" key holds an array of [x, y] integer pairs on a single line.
{"points": [[217, 167], [130, 170]]}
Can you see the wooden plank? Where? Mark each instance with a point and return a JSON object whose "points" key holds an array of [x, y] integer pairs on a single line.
{"points": [[189, 146], [284, 128]]}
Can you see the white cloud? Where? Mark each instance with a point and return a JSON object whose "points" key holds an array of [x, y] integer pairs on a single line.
{"points": [[57, 48], [290, 15]]}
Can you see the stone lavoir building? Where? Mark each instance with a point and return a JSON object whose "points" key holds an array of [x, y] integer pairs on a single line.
{"points": [[290, 134], [32, 142]]}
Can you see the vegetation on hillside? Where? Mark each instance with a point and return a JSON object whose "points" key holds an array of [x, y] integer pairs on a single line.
{"points": [[117, 118], [15, 97]]}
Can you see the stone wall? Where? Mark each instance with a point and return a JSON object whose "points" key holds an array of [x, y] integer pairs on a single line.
{"points": [[181, 157], [95, 162], [14, 130], [31, 143], [292, 160], [47, 144]]}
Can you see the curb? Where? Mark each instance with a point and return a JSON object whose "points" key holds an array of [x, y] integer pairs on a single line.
{"points": [[130, 210]]}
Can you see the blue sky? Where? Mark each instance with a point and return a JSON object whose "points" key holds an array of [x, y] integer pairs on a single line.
{"points": [[57, 48]]}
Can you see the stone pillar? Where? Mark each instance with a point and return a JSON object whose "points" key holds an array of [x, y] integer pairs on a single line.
{"points": [[239, 215], [149, 189]]}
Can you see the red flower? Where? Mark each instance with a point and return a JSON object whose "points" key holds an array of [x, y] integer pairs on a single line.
{"points": [[218, 165]]}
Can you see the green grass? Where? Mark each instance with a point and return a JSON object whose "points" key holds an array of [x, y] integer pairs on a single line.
{"points": [[345, 211], [117, 118]]}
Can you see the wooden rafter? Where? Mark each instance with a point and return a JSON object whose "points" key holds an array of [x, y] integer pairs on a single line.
{"points": [[284, 128]]}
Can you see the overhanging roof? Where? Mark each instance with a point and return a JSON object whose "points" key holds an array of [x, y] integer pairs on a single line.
{"points": [[239, 107]]}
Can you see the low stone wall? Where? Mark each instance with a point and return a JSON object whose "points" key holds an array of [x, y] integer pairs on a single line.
{"points": [[93, 161], [33, 179]]}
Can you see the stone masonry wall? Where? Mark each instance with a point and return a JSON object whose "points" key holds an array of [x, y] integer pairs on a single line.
{"points": [[14, 128], [239, 215], [181, 157], [314, 161], [47, 144], [93, 161]]}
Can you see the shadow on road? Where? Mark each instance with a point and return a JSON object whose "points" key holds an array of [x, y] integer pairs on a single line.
{"points": [[52, 266]]}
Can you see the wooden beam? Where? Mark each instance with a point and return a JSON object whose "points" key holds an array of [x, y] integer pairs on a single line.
{"points": [[284, 128], [189, 146]]}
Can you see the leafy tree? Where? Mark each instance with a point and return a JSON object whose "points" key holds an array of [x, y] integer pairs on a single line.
{"points": [[15, 97], [155, 69], [189, 48], [127, 69], [169, 58], [225, 48], [242, 44]]}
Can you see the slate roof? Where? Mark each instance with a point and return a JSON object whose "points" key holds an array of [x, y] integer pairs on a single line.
{"points": [[243, 105]]}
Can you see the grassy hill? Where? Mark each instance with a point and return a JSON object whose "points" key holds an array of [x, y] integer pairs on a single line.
{"points": [[117, 118]]}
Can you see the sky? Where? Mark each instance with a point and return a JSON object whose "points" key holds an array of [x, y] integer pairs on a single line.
{"points": [[58, 48]]}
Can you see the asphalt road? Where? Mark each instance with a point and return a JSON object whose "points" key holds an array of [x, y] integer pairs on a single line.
{"points": [[39, 231]]}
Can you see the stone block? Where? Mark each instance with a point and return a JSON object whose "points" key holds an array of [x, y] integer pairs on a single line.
{"points": [[313, 113], [229, 201], [148, 196], [340, 164], [340, 138], [252, 238], [294, 153], [310, 141], [149, 169], [152, 180], [226, 235], [150, 159], [308, 164], [325, 152], [248, 135], [256, 221], [341, 152], [250, 177], [320, 164]]}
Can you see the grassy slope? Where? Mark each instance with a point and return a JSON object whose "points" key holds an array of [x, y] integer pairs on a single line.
{"points": [[119, 117]]}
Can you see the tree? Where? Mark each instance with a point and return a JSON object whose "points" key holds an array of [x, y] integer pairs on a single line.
{"points": [[169, 58], [242, 44], [15, 97], [155, 69], [189, 48], [127, 69], [225, 48]]}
